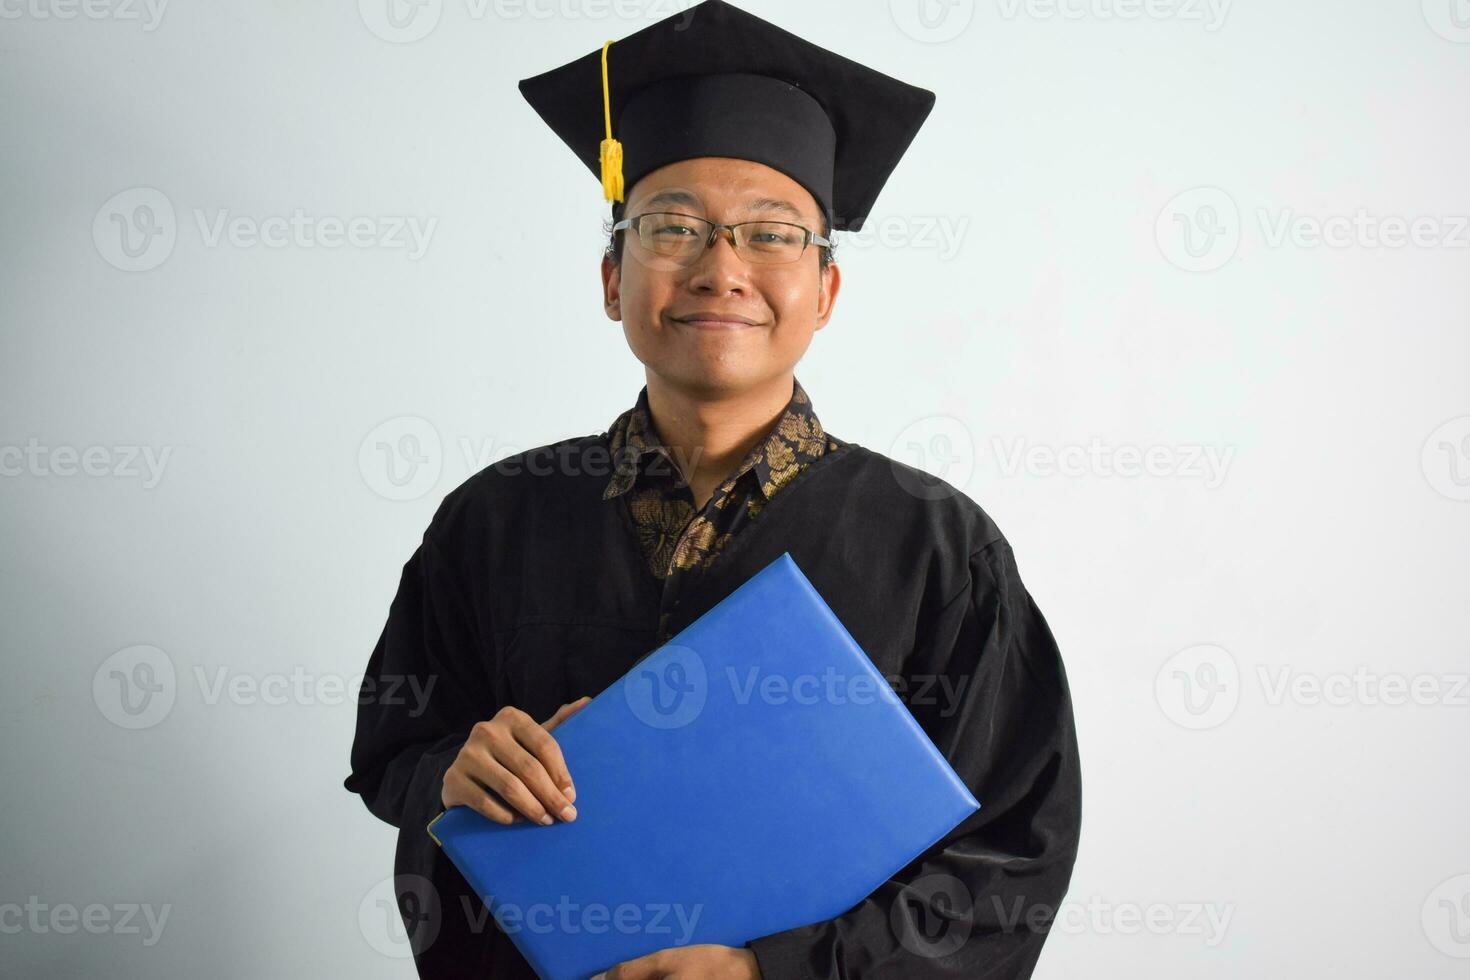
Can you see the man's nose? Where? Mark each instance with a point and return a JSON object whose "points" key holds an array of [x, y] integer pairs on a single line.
{"points": [[720, 266]]}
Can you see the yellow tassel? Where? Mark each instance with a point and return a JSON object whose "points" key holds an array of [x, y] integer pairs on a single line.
{"points": [[611, 152]]}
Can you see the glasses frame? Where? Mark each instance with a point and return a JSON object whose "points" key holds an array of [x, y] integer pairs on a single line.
{"points": [[809, 237]]}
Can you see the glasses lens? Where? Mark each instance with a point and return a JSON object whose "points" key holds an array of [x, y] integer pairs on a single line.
{"points": [[772, 241], [671, 240], [672, 236]]}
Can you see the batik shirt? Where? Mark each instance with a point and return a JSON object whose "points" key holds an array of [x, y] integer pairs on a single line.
{"points": [[677, 542]]}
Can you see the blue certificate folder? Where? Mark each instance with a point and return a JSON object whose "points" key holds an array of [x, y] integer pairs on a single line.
{"points": [[754, 774]]}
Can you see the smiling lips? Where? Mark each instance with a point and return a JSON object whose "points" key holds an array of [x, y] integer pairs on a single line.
{"points": [[716, 320]]}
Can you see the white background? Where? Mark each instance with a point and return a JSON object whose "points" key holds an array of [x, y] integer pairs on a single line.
{"points": [[1130, 193]]}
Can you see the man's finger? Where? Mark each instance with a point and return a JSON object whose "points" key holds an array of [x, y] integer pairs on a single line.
{"points": [[553, 760], [462, 789], [531, 757], [484, 767], [539, 741], [565, 712]]}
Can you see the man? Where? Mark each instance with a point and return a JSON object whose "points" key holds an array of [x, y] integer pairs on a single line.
{"points": [[545, 577]]}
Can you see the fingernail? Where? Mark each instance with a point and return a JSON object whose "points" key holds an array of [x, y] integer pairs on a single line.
{"points": [[568, 813], [570, 792], [545, 819]]}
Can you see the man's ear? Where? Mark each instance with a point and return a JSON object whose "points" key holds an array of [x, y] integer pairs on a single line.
{"points": [[827, 293], [612, 285]]}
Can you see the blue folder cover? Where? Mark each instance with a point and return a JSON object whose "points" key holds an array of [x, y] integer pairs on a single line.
{"points": [[754, 774]]}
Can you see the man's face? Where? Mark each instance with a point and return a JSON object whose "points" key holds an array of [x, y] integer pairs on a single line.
{"points": [[660, 306]]}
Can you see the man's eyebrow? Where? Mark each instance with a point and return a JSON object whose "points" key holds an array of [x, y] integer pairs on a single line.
{"points": [[673, 197], [759, 204], [772, 204]]}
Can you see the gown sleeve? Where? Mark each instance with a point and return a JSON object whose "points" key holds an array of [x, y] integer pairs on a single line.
{"points": [[979, 902], [428, 681]]}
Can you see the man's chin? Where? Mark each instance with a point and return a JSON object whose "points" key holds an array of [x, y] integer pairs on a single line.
{"points": [[714, 378]]}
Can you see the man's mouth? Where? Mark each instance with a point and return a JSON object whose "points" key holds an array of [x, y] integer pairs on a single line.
{"points": [[716, 320]]}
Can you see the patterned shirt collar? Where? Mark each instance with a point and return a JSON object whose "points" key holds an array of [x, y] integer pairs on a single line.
{"points": [[795, 439]]}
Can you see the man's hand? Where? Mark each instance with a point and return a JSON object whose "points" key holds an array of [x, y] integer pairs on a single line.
{"points": [[702, 962], [510, 759]]}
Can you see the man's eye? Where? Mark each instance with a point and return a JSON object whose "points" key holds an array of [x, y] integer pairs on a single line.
{"points": [[673, 231], [773, 237]]}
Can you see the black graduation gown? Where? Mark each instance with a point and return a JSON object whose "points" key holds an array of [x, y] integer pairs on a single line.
{"points": [[529, 589]]}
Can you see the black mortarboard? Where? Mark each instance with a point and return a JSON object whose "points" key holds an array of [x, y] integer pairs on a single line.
{"points": [[715, 81]]}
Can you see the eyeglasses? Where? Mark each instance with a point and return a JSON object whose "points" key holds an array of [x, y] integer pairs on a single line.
{"points": [[680, 239]]}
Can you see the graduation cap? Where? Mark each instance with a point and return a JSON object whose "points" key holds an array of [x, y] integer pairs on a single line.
{"points": [[716, 81]]}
